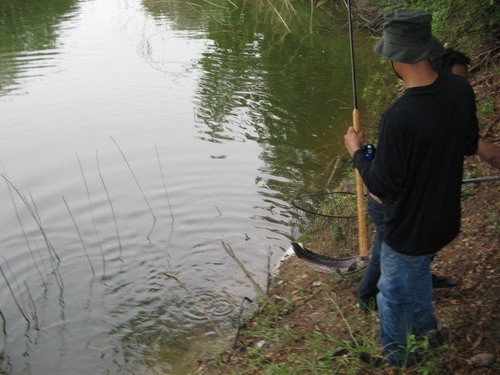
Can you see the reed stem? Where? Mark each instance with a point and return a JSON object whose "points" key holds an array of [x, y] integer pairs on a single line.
{"points": [[166, 195], [4, 324], [79, 235], [25, 235], [30, 298], [14, 296], [111, 206], [140, 188], [93, 216], [17, 283], [38, 222]]}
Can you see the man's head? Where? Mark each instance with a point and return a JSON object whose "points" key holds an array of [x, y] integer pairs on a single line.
{"points": [[452, 62], [408, 37]]}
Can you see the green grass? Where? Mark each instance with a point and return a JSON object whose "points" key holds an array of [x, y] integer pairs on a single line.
{"points": [[319, 352], [492, 223]]}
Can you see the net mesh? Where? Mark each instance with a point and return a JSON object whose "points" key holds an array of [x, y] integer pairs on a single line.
{"points": [[326, 223]]}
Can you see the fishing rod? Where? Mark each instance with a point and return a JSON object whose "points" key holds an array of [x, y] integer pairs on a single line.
{"points": [[360, 189]]}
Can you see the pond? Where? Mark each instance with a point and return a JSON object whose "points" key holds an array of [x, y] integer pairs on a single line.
{"points": [[136, 138]]}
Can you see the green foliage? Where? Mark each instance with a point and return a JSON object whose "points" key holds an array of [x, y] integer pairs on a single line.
{"points": [[472, 172], [463, 23], [492, 222], [422, 348], [380, 89], [486, 107]]}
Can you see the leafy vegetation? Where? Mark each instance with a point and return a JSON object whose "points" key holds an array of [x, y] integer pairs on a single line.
{"points": [[468, 26], [468, 23]]}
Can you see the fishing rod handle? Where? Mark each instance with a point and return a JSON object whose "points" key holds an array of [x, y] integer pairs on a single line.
{"points": [[356, 121]]}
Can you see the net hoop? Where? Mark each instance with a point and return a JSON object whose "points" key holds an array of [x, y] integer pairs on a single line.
{"points": [[295, 203]]}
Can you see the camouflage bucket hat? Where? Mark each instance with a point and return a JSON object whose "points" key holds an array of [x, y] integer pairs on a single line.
{"points": [[408, 37]]}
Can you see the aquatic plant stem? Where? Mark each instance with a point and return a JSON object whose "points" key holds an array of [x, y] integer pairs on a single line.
{"points": [[140, 188], [15, 280], [93, 216], [110, 205], [79, 235], [166, 196], [4, 324], [54, 263], [26, 236], [38, 222], [36, 243], [14, 296], [30, 298], [279, 15]]}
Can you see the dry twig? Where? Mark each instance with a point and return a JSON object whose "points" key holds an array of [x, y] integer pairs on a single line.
{"points": [[197, 301], [242, 267]]}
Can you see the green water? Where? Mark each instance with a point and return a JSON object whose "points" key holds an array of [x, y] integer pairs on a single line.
{"points": [[280, 77]]}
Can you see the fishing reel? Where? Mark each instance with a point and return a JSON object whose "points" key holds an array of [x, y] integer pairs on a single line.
{"points": [[369, 151]]}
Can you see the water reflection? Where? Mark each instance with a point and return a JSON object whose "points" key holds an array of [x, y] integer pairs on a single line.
{"points": [[282, 84], [29, 33]]}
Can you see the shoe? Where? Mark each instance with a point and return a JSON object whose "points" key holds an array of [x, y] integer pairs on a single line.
{"points": [[442, 282], [435, 338], [369, 304], [371, 360]]}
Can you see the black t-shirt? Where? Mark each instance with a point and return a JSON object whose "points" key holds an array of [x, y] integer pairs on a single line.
{"points": [[417, 172]]}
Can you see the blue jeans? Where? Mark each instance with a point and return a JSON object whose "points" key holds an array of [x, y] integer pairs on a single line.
{"points": [[404, 301], [367, 289]]}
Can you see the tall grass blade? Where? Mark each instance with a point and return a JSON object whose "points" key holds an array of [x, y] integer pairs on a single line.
{"points": [[25, 235], [30, 298], [79, 235], [14, 296], [278, 14], [166, 196], [140, 188], [351, 333], [93, 216], [110, 205], [15, 280], [38, 222], [4, 324], [33, 238]]}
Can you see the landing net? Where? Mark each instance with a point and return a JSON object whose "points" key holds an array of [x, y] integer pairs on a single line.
{"points": [[326, 223]]}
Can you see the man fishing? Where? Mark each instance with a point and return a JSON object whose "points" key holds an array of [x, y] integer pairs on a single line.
{"points": [[455, 62], [417, 173]]}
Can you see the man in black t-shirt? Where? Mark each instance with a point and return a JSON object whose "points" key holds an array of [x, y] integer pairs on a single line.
{"points": [[417, 173]]}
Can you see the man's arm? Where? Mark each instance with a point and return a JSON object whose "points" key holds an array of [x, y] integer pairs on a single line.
{"points": [[488, 152], [377, 185]]}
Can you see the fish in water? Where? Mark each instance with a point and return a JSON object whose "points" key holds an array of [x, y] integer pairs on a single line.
{"points": [[325, 264]]}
